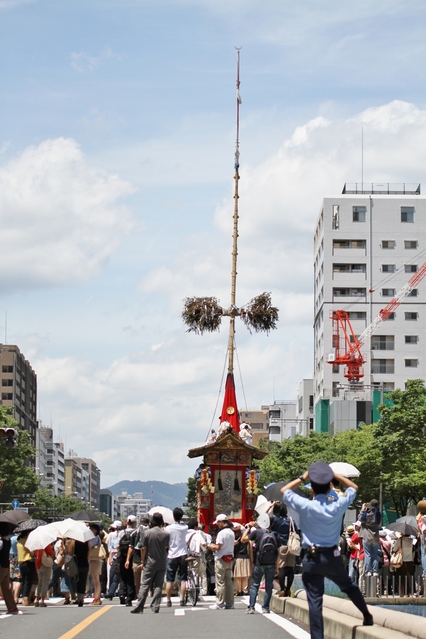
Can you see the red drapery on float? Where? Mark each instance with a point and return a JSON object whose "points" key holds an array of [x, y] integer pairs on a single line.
{"points": [[229, 408]]}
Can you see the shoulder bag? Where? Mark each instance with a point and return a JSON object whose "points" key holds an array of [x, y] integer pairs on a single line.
{"points": [[293, 540]]}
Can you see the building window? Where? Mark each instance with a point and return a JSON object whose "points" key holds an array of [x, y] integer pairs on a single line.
{"points": [[391, 317], [388, 292], [335, 221], [382, 343], [357, 315], [410, 268], [7, 396], [349, 268], [407, 213], [413, 293], [7, 382], [388, 244], [311, 423], [410, 244], [383, 366], [311, 401], [388, 268], [7, 369], [349, 292], [411, 363], [359, 213], [409, 316], [348, 244], [411, 339]]}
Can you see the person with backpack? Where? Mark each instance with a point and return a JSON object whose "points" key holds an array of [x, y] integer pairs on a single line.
{"points": [[266, 544], [370, 519], [127, 591]]}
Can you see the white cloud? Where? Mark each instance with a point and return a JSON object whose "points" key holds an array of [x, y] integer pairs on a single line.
{"points": [[62, 217], [85, 63], [138, 415]]}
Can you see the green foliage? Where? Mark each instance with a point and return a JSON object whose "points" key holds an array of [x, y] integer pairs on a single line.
{"points": [[400, 444], [390, 452], [191, 497], [15, 473]]}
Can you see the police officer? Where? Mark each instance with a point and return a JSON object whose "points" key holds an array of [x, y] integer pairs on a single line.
{"points": [[320, 522]]}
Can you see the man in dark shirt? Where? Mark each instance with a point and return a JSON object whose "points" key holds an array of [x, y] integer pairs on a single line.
{"points": [[154, 563]]}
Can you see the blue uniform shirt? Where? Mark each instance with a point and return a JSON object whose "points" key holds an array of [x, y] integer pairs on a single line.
{"points": [[320, 519]]}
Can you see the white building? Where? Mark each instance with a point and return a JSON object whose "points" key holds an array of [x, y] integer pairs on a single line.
{"points": [[50, 461], [283, 422], [135, 505], [368, 243]]}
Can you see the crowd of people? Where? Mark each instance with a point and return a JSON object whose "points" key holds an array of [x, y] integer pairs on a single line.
{"points": [[396, 559], [133, 559]]}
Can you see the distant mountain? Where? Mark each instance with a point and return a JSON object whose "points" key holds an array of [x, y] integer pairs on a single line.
{"points": [[161, 493]]}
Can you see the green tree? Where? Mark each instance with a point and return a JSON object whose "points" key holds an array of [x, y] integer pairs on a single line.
{"points": [[292, 457], [400, 443], [15, 473]]}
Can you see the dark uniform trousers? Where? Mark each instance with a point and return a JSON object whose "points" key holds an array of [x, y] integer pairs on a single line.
{"points": [[314, 570], [126, 591]]}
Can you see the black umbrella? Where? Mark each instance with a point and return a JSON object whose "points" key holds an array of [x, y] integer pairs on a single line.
{"points": [[28, 525], [273, 491], [403, 527], [84, 515], [409, 519], [14, 517]]}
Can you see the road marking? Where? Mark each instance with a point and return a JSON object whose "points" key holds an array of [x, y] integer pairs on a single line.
{"points": [[285, 624], [179, 613], [83, 624]]}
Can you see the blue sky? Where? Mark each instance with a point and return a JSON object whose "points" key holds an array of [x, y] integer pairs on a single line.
{"points": [[116, 182]]}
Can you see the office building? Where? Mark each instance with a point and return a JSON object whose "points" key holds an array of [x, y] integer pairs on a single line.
{"points": [[369, 241], [259, 422], [19, 388]]}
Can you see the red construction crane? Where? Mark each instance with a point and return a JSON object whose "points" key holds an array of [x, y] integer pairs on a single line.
{"points": [[350, 355]]}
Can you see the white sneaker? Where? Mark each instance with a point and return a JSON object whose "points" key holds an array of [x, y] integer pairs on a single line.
{"points": [[217, 607]]}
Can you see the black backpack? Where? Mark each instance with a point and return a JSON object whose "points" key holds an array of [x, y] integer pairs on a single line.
{"points": [[124, 543], [267, 552]]}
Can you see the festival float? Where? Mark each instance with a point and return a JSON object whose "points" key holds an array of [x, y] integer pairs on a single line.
{"points": [[226, 477]]}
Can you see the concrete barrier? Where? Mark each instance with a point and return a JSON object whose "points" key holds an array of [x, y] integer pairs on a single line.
{"points": [[343, 620]]}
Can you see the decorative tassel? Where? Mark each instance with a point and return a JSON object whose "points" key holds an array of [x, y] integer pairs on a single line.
{"points": [[236, 482], [219, 481]]}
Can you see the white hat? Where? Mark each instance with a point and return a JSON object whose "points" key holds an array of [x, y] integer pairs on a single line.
{"points": [[116, 524], [131, 518], [221, 517]]}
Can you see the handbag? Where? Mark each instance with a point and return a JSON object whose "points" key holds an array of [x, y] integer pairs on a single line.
{"points": [[97, 552], [396, 560], [46, 560], [70, 567], [293, 540]]}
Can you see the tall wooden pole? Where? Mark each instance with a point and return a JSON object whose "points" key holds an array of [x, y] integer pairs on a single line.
{"points": [[231, 341]]}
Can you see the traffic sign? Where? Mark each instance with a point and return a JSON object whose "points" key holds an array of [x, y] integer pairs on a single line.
{"points": [[15, 504]]}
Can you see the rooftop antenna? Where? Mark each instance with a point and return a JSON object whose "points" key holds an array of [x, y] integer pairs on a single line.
{"points": [[362, 159], [5, 327]]}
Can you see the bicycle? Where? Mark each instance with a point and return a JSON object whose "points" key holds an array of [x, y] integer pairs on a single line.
{"points": [[192, 583]]}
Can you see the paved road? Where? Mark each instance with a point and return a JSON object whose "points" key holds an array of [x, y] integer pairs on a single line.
{"points": [[65, 622]]}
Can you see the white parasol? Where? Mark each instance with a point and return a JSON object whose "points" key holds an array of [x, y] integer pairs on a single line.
{"points": [[40, 538], [345, 469], [73, 529], [166, 512], [262, 505]]}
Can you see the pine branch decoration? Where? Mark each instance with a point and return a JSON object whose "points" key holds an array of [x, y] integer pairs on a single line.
{"points": [[202, 314], [259, 314]]}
